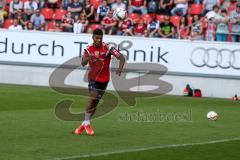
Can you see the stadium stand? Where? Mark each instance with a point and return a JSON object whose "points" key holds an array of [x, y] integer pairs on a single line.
{"points": [[194, 7]]}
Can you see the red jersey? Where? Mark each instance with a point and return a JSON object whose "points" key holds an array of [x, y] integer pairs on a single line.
{"points": [[67, 20], [127, 23], [108, 20], [139, 28], [137, 3], [99, 61]]}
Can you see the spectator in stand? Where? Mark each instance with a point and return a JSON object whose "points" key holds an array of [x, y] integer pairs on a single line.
{"points": [[166, 29], [102, 11], [67, 23], [52, 4], [38, 20], [84, 21], [65, 4], [125, 27], [230, 5], [152, 6], [197, 1], [181, 7], [208, 5], [138, 6], [15, 26], [196, 29], [22, 18], [110, 2], [41, 4], [213, 13], [2, 4], [75, 8], [146, 33], [81, 24], [89, 10], [235, 21], [165, 7], [108, 23], [3, 14], [30, 7], [222, 21], [29, 26], [183, 28], [118, 4], [153, 26], [139, 28], [210, 32], [15, 5]]}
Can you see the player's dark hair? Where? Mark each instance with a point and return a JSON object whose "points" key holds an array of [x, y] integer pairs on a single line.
{"points": [[98, 32]]}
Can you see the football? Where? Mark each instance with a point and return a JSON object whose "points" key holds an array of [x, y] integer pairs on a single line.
{"points": [[212, 116], [119, 14]]}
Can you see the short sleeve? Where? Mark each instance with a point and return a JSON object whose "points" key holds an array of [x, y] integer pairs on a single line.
{"points": [[115, 52], [85, 53]]}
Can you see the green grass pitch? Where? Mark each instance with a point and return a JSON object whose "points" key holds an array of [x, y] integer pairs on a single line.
{"points": [[30, 130]]}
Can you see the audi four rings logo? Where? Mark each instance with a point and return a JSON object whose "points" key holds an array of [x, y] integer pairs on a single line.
{"points": [[213, 58]]}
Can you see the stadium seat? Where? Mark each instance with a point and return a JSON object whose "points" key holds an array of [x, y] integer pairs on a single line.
{"points": [[95, 3], [160, 18], [196, 9], [23, 1], [95, 26], [175, 20], [8, 23], [231, 7], [51, 25], [134, 17], [8, 1], [146, 17], [47, 13], [204, 22], [59, 13]]}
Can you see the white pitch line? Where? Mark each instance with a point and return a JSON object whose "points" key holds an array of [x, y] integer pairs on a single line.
{"points": [[146, 148]]}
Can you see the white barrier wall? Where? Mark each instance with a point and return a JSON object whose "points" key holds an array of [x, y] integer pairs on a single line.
{"points": [[39, 76], [196, 63]]}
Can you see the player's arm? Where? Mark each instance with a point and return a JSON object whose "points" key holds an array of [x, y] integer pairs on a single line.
{"points": [[85, 58], [121, 59]]}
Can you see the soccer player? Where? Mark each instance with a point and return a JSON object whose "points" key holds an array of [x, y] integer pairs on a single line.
{"points": [[98, 56]]}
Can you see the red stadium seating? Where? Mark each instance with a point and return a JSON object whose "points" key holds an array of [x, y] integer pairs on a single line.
{"points": [[47, 13], [196, 9], [59, 13], [23, 1], [95, 3], [160, 18], [7, 23], [232, 7], [8, 1], [134, 17], [146, 17], [95, 26], [204, 23], [51, 25], [175, 20]]}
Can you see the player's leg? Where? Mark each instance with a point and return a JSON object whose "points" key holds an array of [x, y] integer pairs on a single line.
{"points": [[90, 110], [96, 90]]}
